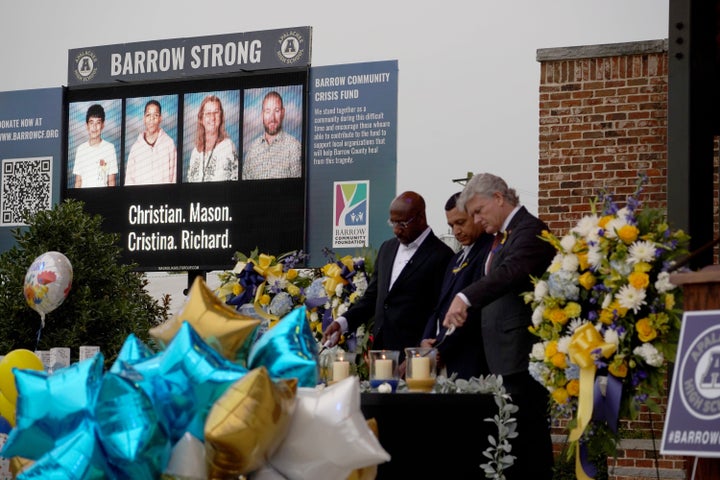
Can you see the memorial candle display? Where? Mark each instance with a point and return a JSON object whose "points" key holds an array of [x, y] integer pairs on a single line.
{"points": [[420, 367], [383, 368], [341, 370]]}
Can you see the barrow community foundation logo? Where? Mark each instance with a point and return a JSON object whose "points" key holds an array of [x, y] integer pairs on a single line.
{"points": [[350, 214], [86, 63], [291, 47]]}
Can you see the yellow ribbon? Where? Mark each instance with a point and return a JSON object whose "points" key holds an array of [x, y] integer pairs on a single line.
{"points": [[584, 341], [333, 274], [272, 319], [263, 266]]}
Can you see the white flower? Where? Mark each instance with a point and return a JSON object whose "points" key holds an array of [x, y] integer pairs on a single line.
{"points": [[339, 289], [614, 225], [574, 324], [587, 226], [663, 285], [361, 284], [314, 316], [567, 243], [570, 263], [611, 336], [538, 351], [342, 308], [563, 344], [537, 315], [607, 301], [595, 256], [650, 354], [631, 298], [541, 290], [641, 251]]}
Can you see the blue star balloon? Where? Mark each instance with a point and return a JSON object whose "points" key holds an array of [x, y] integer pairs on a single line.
{"points": [[78, 457], [288, 350], [184, 380], [132, 351], [51, 408], [135, 440]]}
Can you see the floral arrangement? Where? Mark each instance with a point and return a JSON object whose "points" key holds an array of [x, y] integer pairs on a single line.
{"points": [[607, 316], [341, 282], [270, 285]]}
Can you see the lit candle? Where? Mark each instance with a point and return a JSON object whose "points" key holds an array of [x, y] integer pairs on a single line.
{"points": [[340, 370], [384, 368], [420, 367]]}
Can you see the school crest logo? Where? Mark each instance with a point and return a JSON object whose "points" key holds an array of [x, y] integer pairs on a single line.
{"points": [[291, 47], [85, 65]]}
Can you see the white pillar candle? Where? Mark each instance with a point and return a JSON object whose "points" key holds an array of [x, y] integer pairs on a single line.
{"points": [[383, 369], [420, 367], [340, 370]]}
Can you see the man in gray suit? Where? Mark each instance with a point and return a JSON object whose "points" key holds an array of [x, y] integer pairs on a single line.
{"points": [[405, 282], [517, 254]]}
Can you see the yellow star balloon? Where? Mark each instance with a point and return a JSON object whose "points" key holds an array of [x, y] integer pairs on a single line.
{"points": [[220, 325], [247, 423]]}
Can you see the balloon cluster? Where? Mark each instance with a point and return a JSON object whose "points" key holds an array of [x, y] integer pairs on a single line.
{"points": [[211, 404]]}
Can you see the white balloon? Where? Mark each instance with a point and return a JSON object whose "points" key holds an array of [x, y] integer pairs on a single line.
{"points": [[47, 282], [328, 436], [187, 460]]}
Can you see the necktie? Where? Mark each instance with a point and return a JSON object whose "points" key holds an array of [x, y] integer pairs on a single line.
{"points": [[495, 246]]}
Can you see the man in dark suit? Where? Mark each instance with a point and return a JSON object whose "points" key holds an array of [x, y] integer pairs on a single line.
{"points": [[405, 282], [462, 352], [518, 254]]}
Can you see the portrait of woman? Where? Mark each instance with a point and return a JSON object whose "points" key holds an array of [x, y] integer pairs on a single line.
{"points": [[214, 156]]}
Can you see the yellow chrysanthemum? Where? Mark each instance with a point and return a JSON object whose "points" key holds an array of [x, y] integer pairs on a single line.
{"points": [[293, 289], [572, 309], [583, 261], [645, 330], [628, 234], [237, 289], [265, 299], [669, 301]]}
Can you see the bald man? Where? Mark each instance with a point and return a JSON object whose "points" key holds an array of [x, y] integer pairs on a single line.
{"points": [[405, 283]]}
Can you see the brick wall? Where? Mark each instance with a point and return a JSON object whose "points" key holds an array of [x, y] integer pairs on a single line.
{"points": [[603, 119]]}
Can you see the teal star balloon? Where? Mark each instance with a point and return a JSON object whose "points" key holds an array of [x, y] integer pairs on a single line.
{"points": [[288, 350], [185, 379]]}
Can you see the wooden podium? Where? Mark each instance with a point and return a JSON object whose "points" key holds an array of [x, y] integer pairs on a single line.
{"points": [[701, 291]]}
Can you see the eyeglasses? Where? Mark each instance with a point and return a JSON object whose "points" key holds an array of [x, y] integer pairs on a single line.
{"points": [[400, 224]]}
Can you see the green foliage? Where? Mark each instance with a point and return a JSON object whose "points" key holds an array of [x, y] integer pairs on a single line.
{"points": [[106, 303]]}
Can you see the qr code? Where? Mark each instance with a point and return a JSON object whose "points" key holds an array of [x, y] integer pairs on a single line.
{"points": [[26, 187]]}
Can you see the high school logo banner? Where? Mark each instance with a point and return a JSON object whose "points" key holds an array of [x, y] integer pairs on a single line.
{"points": [[189, 57], [692, 425]]}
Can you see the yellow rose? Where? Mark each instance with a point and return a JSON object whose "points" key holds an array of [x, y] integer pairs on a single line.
{"points": [[265, 299], [639, 280], [559, 360], [587, 280], [237, 289], [550, 349], [628, 234], [558, 316], [618, 369], [560, 395], [573, 387], [291, 274], [646, 332]]}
